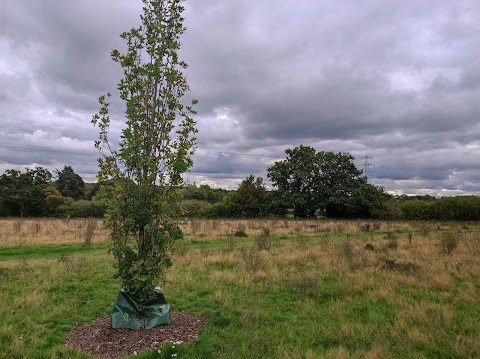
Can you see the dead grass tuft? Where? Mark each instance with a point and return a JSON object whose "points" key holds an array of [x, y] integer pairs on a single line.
{"points": [[449, 242], [301, 283]]}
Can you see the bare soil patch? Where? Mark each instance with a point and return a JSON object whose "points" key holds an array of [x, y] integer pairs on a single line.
{"points": [[99, 339]]}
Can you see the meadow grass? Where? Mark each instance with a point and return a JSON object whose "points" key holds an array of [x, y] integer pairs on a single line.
{"points": [[27, 231], [398, 292], [32, 231]]}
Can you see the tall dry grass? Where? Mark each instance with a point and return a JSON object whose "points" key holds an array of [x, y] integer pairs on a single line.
{"points": [[212, 228], [415, 286], [21, 231], [412, 294], [422, 260]]}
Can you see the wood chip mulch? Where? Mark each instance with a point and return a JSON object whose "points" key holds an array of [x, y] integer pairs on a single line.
{"points": [[100, 340]]}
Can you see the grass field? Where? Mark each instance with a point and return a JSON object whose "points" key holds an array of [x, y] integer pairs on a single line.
{"points": [[268, 289]]}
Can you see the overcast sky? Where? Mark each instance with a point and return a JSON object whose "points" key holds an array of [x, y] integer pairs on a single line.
{"points": [[395, 80]]}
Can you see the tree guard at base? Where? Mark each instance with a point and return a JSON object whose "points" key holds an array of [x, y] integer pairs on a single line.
{"points": [[129, 312]]}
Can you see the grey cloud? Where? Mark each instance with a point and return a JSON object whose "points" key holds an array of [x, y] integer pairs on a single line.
{"points": [[470, 79], [398, 81], [68, 48]]}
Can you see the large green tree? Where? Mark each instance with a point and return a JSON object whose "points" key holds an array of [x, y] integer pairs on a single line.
{"points": [[250, 197], [70, 184], [142, 174], [24, 193], [308, 181]]}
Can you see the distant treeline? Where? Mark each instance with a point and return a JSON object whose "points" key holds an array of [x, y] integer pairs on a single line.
{"points": [[203, 201], [34, 194], [459, 208], [308, 184]]}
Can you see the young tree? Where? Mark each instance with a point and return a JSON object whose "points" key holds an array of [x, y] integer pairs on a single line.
{"points": [[142, 174]]}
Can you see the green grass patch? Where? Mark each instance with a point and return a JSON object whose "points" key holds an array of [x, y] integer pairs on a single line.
{"points": [[300, 298], [47, 250]]}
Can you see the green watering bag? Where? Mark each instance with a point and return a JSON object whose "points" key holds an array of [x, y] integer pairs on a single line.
{"points": [[129, 312]]}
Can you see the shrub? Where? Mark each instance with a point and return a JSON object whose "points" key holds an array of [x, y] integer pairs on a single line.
{"points": [[263, 242], [354, 258], [369, 247], [425, 231], [217, 210], [82, 209], [448, 242], [457, 208], [194, 207], [389, 235], [251, 257], [365, 227], [240, 231], [417, 210], [392, 243], [405, 267]]}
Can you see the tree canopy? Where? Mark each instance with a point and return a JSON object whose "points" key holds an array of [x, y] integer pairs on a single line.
{"points": [[70, 184], [309, 181], [23, 194], [249, 199]]}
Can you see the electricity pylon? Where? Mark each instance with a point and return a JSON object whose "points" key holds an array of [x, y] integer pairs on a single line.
{"points": [[367, 164]]}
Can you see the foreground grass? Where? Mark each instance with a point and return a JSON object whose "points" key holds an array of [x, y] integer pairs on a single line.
{"points": [[40, 300], [302, 297]]}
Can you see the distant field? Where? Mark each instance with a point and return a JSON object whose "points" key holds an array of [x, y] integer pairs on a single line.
{"points": [[297, 289], [21, 231], [28, 231]]}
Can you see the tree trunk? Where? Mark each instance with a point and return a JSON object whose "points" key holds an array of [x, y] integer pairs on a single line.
{"points": [[141, 237]]}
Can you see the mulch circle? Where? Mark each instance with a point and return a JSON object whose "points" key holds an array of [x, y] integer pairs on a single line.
{"points": [[99, 339]]}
